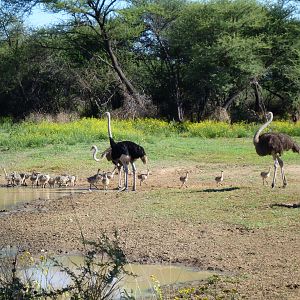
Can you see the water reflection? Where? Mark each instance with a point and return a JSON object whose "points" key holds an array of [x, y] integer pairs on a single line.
{"points": [[10, 197], [140, 286]]}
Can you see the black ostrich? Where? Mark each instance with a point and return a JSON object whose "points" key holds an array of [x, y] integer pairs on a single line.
{"points": [[274, 144], [125, 152], [107, 155]]}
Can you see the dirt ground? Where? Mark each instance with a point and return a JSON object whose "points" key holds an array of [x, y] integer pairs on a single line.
{"points": [[266, 261]]}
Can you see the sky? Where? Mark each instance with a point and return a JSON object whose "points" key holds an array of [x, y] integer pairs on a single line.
{"points": [[39, 18]]}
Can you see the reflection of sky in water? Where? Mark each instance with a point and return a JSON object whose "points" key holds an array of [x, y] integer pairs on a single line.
{"points": [[140, 286], [12, 196]]}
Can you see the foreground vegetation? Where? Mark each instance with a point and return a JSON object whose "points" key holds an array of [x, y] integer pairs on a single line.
{"points": [[98, 277]]}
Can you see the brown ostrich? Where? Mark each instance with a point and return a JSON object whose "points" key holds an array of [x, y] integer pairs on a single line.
{"points": [[274, 144]]}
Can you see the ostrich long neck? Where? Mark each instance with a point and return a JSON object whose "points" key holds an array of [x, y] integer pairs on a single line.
{"points": [[256, 136], [5, 172], [112, 142], [95, 149]]}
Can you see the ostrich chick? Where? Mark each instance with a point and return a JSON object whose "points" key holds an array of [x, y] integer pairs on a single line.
{"points": [[265, 175], [143, 177], [51, 182], [105, 180], [16, 179], [8, 177], [108, 155], [24, 176], [62, 180], [184, 179], [72, 179], [43, 180], [94, 179], [34, 178], [219, 179]]}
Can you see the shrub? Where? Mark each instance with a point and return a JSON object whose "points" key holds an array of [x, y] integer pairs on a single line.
{"points": [[90, 130], [97, 278]]}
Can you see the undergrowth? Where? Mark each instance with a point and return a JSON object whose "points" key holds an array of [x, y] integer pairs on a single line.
{"points": [[30, 134]]}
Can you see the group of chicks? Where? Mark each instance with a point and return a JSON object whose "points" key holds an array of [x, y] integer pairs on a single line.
{"points": [[184, 179], [39, 179], [219, 179], [105, 177]]}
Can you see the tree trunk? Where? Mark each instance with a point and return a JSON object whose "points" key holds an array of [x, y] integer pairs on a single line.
{"points": [[124, 80], [231, 99], [259, 105], [134, 103]]}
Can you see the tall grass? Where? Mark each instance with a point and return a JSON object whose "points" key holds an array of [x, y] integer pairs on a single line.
{"points": [[89, 130]]}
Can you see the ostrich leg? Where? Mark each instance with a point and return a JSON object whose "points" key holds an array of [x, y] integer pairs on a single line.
{"points": [[126, 177], [275, 171], [134, 176], [120, 177], [124, 159], [282, 172]]}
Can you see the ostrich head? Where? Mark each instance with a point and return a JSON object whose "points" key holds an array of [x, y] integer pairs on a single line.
{"points": [[144, 159], [142, 155], [269, 116], [94, 148]]}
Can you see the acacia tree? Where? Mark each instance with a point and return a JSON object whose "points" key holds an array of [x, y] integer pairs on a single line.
{"points": [[152, 46], [12, 38], [220, 49], [283, 59], [100, 16]]}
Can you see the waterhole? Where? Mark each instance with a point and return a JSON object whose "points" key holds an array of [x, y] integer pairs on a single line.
{"points": [[141, 286], [10, 197]]}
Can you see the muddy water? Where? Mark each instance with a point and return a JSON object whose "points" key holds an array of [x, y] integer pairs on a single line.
{"points": [[140, 286], [143, 285], [10, 197]]}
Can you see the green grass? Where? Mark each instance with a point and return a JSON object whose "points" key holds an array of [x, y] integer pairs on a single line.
{"points": [[242, 205], [65, 148], [164, 152]]}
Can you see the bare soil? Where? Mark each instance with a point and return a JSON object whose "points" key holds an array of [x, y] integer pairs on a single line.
{"points": [[266, 261]]}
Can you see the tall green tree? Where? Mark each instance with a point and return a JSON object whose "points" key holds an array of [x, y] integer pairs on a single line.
{"points": [[152, 47], [100, 16], [221, 43]]}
